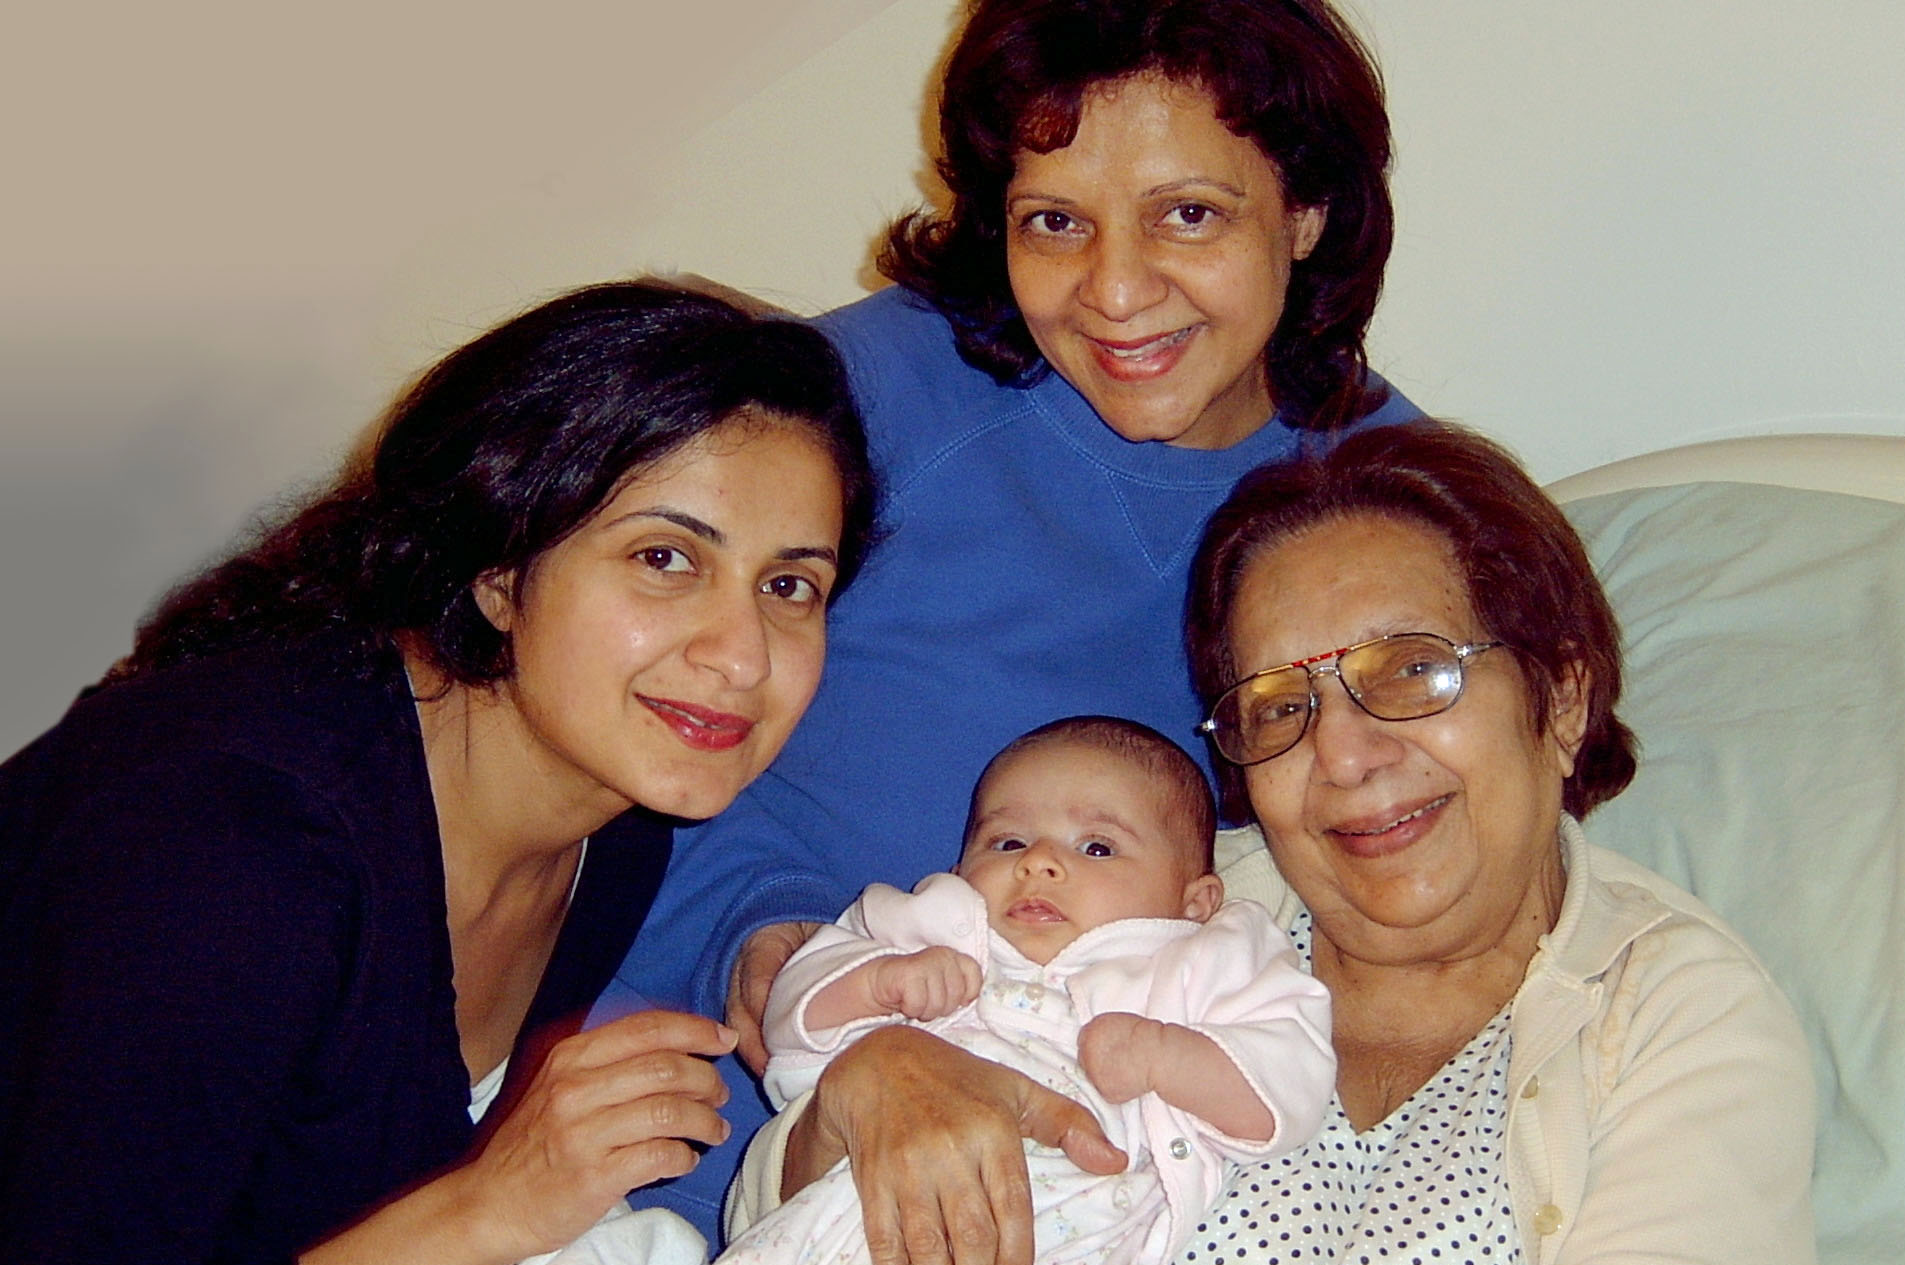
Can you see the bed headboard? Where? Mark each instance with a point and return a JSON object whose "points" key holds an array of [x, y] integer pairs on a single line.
{"points": [[1862, 465], [1760, 585]]}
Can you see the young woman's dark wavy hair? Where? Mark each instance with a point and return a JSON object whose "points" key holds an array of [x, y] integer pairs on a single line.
{"points": [[497, 454], [1289, 75], [1527, 574]]}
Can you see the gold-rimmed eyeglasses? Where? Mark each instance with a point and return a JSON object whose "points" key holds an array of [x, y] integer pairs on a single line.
{"points": [[1404, 676]]}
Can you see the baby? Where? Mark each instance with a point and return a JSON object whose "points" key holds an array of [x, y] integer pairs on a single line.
{"points": [[1084, 941]]}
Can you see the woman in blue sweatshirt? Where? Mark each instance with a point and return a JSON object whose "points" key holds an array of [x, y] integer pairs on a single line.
{"points": [[1166, 235]]}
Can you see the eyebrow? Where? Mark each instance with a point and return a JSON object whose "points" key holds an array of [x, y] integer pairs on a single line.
{"points": [[715, 536], [1168, 187], [1189, 182]]}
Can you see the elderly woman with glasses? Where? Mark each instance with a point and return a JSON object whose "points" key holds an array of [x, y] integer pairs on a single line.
{"points": [[1545, 1052]]}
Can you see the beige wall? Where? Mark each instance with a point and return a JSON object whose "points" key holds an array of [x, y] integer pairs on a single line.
{"points": [[226, 238]]}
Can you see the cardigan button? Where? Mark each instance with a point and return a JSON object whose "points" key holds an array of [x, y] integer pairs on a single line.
{"points": [[1532, 1088], [1547, 1219], [1180, 1149]]}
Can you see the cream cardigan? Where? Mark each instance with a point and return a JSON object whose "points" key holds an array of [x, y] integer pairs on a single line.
{"points": [[1662, 1098]]}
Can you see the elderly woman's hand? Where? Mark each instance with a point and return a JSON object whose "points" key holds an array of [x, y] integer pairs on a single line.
{"points": [[934, 1135], [761, 958]]}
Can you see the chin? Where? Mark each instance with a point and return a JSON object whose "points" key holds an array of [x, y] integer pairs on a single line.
{"points": [[1143, 426], [689, 802]]}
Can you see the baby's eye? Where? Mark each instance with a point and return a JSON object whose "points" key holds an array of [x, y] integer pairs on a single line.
{"points": [[665, 558], [1008, 845], [1095, 848]]}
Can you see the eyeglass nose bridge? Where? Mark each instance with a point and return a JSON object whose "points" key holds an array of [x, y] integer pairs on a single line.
{"points": [[1331, 667]]}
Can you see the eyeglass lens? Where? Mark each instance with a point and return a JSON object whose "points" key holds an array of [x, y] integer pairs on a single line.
{"points": [[1396, 678]]}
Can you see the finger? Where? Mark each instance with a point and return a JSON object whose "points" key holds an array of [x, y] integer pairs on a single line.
{"points": [[971, 979], [576, 1095], [1009, 1189], [752, 1050], [612, 1130], [642, 1033], [886, 1242], [657, 1159], [1054, 1120], [750, 1042]]}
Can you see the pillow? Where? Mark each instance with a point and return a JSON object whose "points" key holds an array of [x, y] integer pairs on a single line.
{"points": [[1765, 637]]}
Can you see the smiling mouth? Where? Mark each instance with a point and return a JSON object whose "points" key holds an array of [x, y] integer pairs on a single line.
{"points": [[1394, 835], [1148, 347], [702, 728], [1407, 817]]}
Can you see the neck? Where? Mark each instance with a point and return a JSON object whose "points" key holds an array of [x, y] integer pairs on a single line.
{"points": [[508, 816], [1432, 1003]]}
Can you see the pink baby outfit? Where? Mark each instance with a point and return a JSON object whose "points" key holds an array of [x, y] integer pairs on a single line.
{"points": [[1236, 979]]}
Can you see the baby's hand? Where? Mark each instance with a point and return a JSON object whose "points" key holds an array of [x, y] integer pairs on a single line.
{"points": [[924, 985], [1118, 1053]]}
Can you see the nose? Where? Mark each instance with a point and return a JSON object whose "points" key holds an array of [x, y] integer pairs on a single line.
{"points": [[1121, 280], [1348, 743], [1040, 859], [731, 640]]}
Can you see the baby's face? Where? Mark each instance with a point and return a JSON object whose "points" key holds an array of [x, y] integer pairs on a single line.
{"points": [[1066, 837]]}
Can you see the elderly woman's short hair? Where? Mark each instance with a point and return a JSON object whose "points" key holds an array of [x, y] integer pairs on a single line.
{"points": [[1527, 574]]}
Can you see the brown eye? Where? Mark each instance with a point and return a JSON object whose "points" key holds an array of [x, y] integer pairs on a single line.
{"points": [[664, 558], [793, 588]]}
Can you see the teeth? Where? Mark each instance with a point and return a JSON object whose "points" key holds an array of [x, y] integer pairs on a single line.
{"points": [[692, 719], [1151, 348], [1431, 806]]}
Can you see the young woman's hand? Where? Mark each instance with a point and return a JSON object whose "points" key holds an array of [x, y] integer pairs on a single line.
{"points": [[610, 1109], [760, 960], [934, 1135]]}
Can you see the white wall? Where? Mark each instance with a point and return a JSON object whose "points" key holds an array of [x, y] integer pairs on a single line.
{"points": [[226, 239]]}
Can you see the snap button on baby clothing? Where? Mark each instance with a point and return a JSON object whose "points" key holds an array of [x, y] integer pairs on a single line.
{"points": [[1532, 1088], [1547, 1219], [962, 929], [1180, 1149]]}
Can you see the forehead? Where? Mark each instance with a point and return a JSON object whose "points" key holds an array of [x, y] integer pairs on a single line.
{"points": [[1056, 770], [1347, 580], [1143, 127]]}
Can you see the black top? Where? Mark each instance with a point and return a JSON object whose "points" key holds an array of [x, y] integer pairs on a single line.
{"points": [[227, 1026]]}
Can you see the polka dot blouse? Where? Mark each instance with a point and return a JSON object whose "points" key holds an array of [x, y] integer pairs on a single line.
{"points": [[1427, 1186]]}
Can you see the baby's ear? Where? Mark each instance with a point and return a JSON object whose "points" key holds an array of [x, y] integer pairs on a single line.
{"points": [[1202, 896]]}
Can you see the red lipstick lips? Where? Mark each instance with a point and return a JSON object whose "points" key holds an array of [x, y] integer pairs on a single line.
{"points": [[702, 728]]}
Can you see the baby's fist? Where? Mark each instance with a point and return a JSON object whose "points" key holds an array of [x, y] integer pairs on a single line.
{"points": [[1117, 1052], [927, 984]]}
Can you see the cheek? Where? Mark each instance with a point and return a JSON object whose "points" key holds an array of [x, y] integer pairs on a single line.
{"points": [[798, 664], [1038, 286], [1275, 794], [1251, 290]]}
